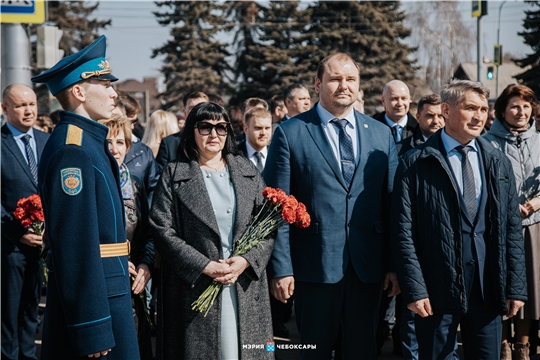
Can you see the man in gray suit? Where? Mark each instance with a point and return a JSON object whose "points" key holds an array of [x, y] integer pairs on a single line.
{"points": [[341, 165]]}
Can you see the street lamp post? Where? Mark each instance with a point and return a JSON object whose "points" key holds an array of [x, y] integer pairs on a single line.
{"points": [[499, 43]]}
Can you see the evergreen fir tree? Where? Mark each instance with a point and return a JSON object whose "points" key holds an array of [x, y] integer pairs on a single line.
{"points": [[371, 33], [531, 36], [274, 57], [194, 60], [244, 19]]}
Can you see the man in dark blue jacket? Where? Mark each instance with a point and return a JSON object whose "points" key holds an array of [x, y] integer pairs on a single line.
{"points": [[88, 312], [21, 152], [457, 240]]}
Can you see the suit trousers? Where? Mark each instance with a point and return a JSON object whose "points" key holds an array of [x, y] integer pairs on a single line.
{"points": [[323, 309], [481, 331], [20, 302]]}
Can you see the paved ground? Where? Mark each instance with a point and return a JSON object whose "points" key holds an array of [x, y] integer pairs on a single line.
{"points": [[282, 354]]}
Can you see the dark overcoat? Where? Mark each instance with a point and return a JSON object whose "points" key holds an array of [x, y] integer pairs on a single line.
{"points": [[187, 236], [88, 297], [426, 233]]}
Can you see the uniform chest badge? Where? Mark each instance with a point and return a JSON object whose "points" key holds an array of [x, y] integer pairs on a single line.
{"points": [[71, 181]]}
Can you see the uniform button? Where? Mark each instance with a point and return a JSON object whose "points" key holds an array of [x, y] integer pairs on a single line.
{"points": [[349, 224], [221, 175], [208, 175], [229, 211], [349, 196], [474, 234]]}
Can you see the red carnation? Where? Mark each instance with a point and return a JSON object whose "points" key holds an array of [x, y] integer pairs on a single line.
{"points": [[288, 211], [302, 217], [29, 212], [275, 195]]}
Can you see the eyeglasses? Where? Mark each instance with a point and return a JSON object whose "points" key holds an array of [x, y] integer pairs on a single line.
{"points": [[205, 128]]}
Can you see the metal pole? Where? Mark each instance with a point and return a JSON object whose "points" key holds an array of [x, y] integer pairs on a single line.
{"points": [[499, 43], [15, 56], [479, 48]]}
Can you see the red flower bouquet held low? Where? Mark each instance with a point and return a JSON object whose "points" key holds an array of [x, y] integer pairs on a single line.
{"points": [[277, 210], [29, 212]]}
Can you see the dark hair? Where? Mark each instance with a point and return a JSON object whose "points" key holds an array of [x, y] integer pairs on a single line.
{"points": [[341, 56], [512, 90], [55, 116], [194, 95], [275, 101], [431, 99], [216, 99], [237, 119], [131, 105], [187, 150], [289, 90], [253, 102]]}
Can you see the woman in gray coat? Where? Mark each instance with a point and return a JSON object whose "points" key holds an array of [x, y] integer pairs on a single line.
{"points": [[514, 133], [202, 205]]}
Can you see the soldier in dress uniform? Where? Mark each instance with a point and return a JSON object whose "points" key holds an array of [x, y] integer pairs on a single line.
{"points": [[88, 312]]}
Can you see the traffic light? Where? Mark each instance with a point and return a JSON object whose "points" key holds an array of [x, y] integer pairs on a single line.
{"points": [[497, 55], [48, 50], [490, 72]]}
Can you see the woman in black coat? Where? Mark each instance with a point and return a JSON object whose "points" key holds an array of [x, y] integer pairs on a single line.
{"points": [[203, 204]]}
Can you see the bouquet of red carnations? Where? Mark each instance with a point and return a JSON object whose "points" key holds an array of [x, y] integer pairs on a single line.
{"points": [[277, 210], [30, 213]]}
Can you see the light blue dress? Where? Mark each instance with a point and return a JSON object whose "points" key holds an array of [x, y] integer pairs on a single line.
{"points": [[221, 192]]}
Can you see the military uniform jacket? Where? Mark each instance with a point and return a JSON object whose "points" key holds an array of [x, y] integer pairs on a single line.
{"points": [[88, 299]]}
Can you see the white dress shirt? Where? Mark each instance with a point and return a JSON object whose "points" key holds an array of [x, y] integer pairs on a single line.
{"points": [[251, 154], [332, 131], [454, 158]]}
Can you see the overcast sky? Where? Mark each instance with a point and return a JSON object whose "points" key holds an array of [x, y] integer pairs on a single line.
{"points": [[135, 32]]}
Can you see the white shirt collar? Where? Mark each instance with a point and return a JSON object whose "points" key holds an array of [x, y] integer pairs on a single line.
{"points": [[251, 150], [402, 122], [326, 116], [450, 143]]}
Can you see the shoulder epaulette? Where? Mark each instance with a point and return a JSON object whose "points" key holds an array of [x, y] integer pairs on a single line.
{"points": [[74, 135]]}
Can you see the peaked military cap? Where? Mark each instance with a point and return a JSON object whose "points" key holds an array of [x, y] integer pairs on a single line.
{"points": [[86, 64]]}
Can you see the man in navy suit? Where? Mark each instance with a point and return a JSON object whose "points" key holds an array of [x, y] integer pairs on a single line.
{"points": [[21, 150], [341, 165]]}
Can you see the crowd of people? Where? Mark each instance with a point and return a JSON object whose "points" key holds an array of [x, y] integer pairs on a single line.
{"points": [[422, 222]]}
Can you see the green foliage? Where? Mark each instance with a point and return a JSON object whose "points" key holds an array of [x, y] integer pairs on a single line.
{"points": [[72, 17], [274, 60], [531, 36], [277, 43], [194, 59], [371, 33]]}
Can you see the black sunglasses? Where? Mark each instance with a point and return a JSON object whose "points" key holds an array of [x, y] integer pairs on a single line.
{"points": [[205, 128]]}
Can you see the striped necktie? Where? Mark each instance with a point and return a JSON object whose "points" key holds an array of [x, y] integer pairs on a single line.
{"points": [[469, 188], [30, 156]]}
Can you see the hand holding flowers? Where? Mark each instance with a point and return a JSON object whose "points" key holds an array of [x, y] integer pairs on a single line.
{"points": [[277, 210]]}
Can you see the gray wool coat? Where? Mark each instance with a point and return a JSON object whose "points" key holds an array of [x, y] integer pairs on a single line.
{"points": [[186, 234]]}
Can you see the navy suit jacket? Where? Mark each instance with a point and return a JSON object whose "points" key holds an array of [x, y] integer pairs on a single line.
{"points": [[17, 182], [168, 150], [346, 224]]}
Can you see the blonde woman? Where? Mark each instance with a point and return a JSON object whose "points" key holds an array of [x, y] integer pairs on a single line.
{"points": [[161, 124]]}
